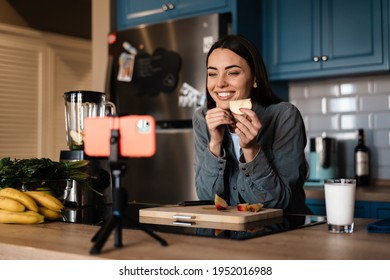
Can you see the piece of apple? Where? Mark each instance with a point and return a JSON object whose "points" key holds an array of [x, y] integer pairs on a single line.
{"points": [[236, 105], [242, 206], [256, 207], [220, 203]]}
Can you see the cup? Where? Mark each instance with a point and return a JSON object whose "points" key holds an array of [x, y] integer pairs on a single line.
{"points": [[80, 105], [340, 204]]}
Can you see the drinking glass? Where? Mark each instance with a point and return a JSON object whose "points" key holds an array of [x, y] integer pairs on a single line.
{"points": [[340, 204]]}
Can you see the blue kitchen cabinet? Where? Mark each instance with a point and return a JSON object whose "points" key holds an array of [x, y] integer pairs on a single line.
{"points": [[317, 206], [380, 210], [363, 209], [245, 15], [318, 38], [130, 13]]}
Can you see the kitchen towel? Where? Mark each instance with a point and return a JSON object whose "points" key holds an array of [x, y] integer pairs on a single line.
{"points": [[381, 226]]}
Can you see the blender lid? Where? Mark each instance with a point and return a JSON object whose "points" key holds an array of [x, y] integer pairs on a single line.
{"points": [[84, 95]]}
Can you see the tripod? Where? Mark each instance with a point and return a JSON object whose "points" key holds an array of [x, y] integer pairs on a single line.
{"points": [[119, 203]]}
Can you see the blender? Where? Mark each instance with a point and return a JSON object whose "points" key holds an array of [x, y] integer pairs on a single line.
{"points": [[322, 160], [79, 105]]}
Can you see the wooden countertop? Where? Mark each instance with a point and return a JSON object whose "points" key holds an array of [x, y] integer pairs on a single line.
{"points": [[369, 193], [58, 240]]}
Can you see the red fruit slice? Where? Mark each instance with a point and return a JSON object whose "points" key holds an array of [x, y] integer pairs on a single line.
{"points": [[242, 207], [255, 207], [220, 203]]}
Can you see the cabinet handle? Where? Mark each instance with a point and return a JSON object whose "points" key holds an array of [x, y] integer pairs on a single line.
{"points": [[324, 58], [316, 59], [166, 7]]}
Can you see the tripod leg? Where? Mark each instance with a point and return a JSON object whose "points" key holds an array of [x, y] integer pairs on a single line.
{"points": [[102, 235], [118, 234], [93, 239]]}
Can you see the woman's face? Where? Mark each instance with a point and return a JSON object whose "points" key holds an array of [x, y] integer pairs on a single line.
{"points": [[228, 77]]}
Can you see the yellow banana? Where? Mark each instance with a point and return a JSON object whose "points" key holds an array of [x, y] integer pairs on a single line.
{"points": [[46, 200], [49, 214], [21, 197], [11, 204], [27, 217]]}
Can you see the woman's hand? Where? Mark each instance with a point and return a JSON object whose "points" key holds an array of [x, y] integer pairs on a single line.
{"points": [[216, 120], [247, 128]]}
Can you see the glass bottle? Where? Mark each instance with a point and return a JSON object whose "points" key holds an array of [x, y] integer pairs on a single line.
{"points": [[362, 161]]}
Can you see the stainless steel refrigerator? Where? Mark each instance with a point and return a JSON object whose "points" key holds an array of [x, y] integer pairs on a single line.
{"points": [[160, 70]]}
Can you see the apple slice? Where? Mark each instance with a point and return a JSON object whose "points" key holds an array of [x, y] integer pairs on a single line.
{"points": [[220, 203], [236, 105], [242, 206], [256, 207]]}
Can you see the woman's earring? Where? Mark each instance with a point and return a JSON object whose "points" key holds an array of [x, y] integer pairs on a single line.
{"points": [[255, 85]]}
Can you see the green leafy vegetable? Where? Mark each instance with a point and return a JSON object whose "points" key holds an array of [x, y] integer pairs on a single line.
{"points": [[19, 171]]}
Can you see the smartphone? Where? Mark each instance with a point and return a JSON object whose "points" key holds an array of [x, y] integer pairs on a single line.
{"points": [[137, 136]]}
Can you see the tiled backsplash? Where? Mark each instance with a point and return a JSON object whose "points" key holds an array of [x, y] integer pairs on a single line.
{"points": [[339, 107]]}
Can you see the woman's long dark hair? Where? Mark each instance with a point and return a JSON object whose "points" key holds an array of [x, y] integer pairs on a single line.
{"points": [[263, 93]]}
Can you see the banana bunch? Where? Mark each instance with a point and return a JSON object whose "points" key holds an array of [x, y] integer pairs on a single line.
{"points": [[28, 207]]}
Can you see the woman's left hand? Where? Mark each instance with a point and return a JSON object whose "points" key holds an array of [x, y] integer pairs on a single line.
{"points": [[247, 128]]}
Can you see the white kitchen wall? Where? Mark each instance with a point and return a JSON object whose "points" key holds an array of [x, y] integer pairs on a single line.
{"points": [[339, 107]]}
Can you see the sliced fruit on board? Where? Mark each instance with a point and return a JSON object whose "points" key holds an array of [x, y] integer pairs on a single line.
{"points": [[255, 207], [220, 203]]}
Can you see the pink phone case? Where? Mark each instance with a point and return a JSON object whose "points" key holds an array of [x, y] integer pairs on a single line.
{"points": [[137, 135]]}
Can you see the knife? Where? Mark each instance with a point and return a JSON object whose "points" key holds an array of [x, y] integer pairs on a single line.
{"points": [[196, 202]]}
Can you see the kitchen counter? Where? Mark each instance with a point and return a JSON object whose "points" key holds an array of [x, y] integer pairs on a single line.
{"points": [[378, 193], [59, 240]]}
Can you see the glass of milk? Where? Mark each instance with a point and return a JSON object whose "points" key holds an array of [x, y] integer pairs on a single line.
{"points": [[340, 204]]}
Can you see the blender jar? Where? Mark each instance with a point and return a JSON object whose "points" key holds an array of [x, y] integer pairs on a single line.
{"points": [[80, 105]]}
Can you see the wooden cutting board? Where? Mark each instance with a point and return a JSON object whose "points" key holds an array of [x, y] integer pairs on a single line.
{"points": [[208, 213]]}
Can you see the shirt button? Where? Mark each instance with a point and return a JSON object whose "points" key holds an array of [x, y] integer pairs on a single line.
{"points": [[235, 188], [247, 175], [243, 190]]}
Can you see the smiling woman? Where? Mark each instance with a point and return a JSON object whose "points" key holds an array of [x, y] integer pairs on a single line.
{"points": [[253, 157]]}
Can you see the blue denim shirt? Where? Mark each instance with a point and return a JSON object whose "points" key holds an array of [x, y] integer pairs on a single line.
{"points": [[275, 177]]}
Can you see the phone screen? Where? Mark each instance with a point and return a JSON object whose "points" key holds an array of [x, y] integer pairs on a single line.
{"points": [[137, 135]]}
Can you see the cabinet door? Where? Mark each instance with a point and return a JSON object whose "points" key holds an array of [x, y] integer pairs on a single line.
{"points": [[317, 206], [195, 6], [380, 210], [131, 13], [352, 33], [317, 38], [292, 35], [135, 12], [362, 209]]}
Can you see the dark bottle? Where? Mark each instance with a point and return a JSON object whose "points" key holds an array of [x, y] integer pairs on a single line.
{"points": [[362, 161]]}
